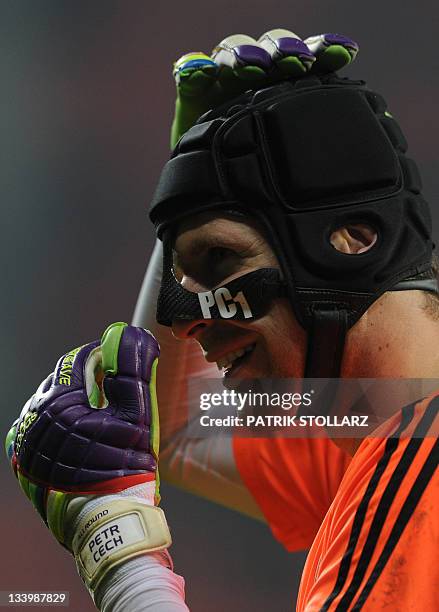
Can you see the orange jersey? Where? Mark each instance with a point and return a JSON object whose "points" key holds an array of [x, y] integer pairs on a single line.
{"points": [[377, 546], [293, 481]]}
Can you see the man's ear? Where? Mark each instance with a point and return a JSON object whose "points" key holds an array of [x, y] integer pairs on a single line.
{"points": [[354, 238]]}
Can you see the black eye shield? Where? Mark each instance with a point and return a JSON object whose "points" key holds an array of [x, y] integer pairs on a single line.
{"points": [[305, 158]]}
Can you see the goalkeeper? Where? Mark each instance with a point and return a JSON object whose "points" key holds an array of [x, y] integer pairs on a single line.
{"points": [[101, 506], [311, 178]]}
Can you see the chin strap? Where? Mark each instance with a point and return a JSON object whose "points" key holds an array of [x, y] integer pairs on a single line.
{"points": [[326, 338]]}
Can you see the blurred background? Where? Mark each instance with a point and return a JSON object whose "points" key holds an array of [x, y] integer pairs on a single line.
{"points": [[86, 104]]}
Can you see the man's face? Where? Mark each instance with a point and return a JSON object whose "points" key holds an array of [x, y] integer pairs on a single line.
{"points": [[211, 250]]}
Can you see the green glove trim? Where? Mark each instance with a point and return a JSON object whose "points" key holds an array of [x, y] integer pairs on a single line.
{"points": [[95, 396], [38, 499], [56, 507], [333, 58], [24, 484], [250, 73], [290, 67], [110, 346], [35, 494], [9, 442], [155, 426]]}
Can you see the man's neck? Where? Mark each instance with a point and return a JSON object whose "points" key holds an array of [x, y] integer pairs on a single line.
{"points": [[397, 343]]}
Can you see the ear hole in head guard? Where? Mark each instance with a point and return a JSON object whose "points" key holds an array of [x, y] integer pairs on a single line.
{"points": [[353, 238]]}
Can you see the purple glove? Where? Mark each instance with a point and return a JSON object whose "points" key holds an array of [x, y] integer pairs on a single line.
{"points": [[64, 441]]}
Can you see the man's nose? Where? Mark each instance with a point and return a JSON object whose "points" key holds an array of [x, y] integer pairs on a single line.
{"points": [[189, 329]]}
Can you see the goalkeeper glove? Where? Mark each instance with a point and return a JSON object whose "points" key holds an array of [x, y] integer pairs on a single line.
{"points": [[87, 460], [239, 63]]}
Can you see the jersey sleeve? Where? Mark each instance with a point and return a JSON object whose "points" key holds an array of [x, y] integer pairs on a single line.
{"points": [[293, 480]]}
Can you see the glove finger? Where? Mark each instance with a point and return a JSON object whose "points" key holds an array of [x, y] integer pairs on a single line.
{"points": [[194, 74], [289, 54], [332, 51], [237, 63], [128, 351], [69, 374], [242, 64], [129, 358], [198, 90]]}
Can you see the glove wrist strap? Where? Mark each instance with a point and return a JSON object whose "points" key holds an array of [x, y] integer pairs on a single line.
{"points": [[114, 532]]}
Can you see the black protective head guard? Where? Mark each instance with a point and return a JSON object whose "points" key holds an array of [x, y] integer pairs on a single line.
{"points": [[305, 157]]}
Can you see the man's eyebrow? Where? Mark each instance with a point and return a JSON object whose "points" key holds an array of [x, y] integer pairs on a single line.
{"points": [[201, 243]]}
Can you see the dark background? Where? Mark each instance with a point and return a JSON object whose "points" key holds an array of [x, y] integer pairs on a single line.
{"points": [[86, 104]]}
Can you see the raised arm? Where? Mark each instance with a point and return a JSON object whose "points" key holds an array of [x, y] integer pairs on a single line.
{"points": [[204, 467]]}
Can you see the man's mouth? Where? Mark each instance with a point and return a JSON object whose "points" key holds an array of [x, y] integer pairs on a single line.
{"points": [[231, 361]]}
